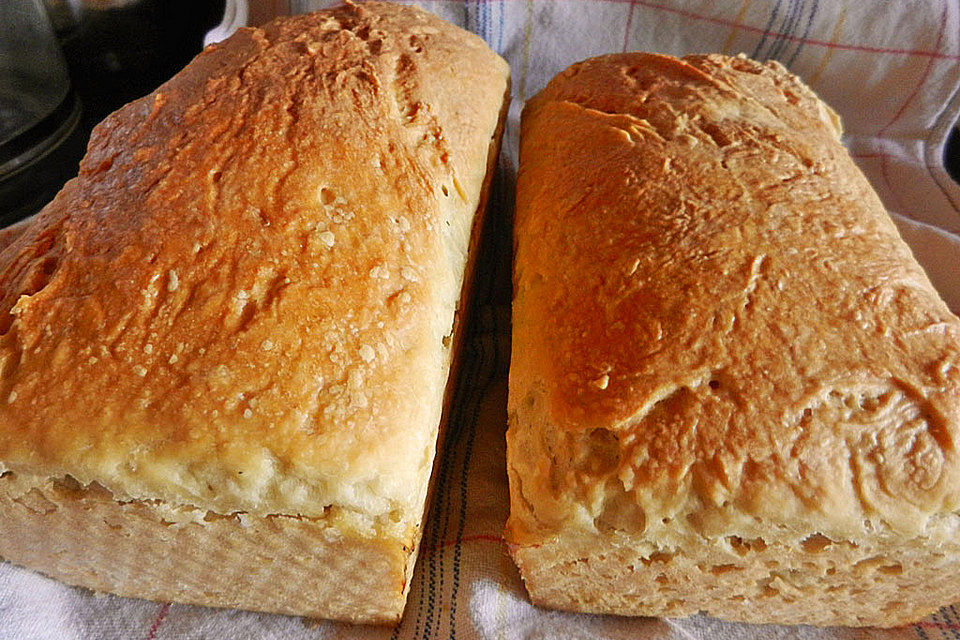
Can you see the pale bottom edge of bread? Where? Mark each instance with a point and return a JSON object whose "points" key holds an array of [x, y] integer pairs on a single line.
{"points": [[818, 582], [278, 564]]}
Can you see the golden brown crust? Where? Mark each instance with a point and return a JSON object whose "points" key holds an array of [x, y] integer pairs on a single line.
{"points": [[717, 329], [242, 301]]}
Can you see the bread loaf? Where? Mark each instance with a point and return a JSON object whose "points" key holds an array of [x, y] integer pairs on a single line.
{"points": [[732, 388], [225, 344]]}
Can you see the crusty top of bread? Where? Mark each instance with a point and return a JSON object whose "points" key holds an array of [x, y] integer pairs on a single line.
{"points": [[242, 301], [717, 329]]}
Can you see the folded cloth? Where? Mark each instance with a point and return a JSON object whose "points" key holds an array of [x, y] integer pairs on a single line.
{"points": [[892, 71]]}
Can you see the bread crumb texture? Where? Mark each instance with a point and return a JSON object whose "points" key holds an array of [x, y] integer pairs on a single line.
{"points": [[731, 381], [195, 318]]}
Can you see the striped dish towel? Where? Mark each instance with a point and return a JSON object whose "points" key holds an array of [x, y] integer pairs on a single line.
{"points": [[891, 69]]}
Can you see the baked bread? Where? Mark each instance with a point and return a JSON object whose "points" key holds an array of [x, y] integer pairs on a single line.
{"points": [[732, 389], [225, 344]]}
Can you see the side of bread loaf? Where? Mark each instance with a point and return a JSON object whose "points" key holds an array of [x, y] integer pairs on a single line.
{"points": [[733, 390], [239, 318]]}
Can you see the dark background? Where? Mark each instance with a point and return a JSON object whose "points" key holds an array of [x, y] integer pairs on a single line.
{"points": [[118, 55]]}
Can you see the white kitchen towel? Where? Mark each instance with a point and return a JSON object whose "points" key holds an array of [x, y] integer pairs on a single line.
{"points": [[890, 68]]}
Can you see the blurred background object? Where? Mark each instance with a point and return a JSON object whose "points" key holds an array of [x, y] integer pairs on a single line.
{"points": [[39, 112], [67, 64], [234, 17], [951, 154]]}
